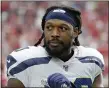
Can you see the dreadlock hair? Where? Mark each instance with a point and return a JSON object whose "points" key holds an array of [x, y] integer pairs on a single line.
{"points": [[75, 14]]}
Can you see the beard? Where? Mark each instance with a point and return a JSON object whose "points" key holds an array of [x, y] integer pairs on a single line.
{"points": [[57, 51]]}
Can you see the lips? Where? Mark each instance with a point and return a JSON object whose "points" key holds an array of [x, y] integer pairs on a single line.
{"points": [[54, 43]]}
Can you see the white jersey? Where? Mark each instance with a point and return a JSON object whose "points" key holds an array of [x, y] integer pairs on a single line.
{"points": [[32, 66]]}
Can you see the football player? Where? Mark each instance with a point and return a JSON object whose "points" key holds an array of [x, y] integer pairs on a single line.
{"points": [[61, 61]]}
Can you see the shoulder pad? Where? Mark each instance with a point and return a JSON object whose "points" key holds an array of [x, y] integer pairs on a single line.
{"points": [[21, 59], [92, 56]]}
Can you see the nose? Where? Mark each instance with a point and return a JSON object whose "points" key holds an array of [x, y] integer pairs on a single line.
{"points": [[55, 33]]}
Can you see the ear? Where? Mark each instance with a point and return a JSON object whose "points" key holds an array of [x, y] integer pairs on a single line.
{"points": [[76, 32]]}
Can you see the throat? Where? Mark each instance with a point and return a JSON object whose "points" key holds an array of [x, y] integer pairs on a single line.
{"points": [[65, 57]]}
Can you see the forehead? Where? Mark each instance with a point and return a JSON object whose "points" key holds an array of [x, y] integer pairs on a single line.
{"points": [[57, 22]]}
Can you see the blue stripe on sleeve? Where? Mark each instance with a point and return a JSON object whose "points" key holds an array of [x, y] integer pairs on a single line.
{"points": [[91, 59], [28, 63]]}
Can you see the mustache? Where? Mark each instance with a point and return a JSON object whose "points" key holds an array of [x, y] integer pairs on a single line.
{"points": [[55, 40]]}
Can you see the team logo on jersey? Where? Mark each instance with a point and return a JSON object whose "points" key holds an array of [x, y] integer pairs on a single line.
{"points": [[59, 10], [10, 61]]}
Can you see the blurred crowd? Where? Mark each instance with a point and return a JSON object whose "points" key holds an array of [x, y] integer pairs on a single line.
{"points": [[21, 26]]}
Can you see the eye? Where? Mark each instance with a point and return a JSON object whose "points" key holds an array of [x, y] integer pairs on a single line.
{"points": [[49, 27], [63, 28]]}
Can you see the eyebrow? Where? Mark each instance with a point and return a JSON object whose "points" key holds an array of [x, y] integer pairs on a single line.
{"points": [[65, 25]]}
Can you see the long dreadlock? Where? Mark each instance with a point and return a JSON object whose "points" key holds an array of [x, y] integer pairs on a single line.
{"points": [[71, 11]]}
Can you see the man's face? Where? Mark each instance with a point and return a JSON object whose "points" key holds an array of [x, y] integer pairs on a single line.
{"points": [[58, 36]]}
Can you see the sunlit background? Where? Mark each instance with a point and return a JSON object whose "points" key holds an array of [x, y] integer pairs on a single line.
{"points": [[21, 26]]}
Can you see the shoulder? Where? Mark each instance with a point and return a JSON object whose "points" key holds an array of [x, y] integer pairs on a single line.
{"points": [[29, 52], [21, 59], [87, 51], [91, 55]]}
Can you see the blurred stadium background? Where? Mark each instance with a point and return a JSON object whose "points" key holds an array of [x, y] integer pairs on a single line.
{"points": [[21, 26]]}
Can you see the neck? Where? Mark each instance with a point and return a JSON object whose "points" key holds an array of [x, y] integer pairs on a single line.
{"points": [[65, 56]]}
